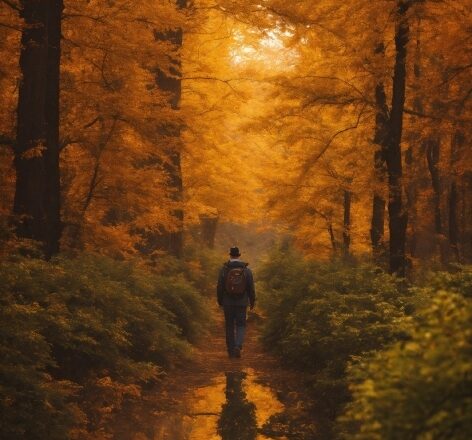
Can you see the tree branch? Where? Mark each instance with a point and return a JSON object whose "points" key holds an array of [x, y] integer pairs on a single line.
{"points": [[455, 72], [93, 122], [436, 118], [8, 26], [12, 5], [314, 158], [7, 141], [95, 180], [210, 78], [68, 141], [333, 78], [88, 17]]}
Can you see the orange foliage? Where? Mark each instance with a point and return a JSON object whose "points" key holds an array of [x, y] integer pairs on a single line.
{"points": [[278, 115]]}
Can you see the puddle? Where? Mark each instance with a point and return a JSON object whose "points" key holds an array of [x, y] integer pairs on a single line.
{"points": [[234, 406]]}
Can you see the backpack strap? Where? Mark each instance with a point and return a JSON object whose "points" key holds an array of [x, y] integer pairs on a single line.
{"points": [[225, 269]]}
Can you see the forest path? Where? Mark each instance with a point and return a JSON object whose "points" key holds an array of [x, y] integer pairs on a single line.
{"points": [[215, 397]]}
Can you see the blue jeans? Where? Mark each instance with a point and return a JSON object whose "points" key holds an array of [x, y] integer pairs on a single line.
{"points": [[235, 323]]}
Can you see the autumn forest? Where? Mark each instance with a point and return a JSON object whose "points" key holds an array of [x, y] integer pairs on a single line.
{"points": [[329, 140]]}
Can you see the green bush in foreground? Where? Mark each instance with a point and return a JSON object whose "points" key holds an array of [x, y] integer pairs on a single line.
{"points": [[419, 389], [319, 315], [401, 357], [75, 323]]}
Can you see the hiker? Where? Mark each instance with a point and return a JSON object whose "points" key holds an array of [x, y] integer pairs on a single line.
{"points": [[235, 292]]}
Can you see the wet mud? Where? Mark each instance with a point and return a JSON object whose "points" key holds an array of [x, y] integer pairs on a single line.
{"points": [[214, 397], [233, 406]]}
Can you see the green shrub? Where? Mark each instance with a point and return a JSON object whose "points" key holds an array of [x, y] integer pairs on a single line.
{"points": [[421, 388], [409, 349], [32, 404], [459, 281], [319, 315], [202, 266], [85, 321]]}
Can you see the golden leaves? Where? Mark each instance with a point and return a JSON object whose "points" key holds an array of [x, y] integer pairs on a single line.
{"points": [[37, 150]]}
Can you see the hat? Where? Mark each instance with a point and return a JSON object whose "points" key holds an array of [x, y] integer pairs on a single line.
{"points": [[234, 252]]}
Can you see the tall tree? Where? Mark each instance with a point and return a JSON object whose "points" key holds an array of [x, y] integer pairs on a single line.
{"points": [[432, 156], [381, 130], [171, 82], [398, 216], [53, 189], [37, 194], [454, 232]]}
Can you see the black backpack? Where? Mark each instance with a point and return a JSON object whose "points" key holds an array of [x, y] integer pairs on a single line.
{"points": [[235, 281]]}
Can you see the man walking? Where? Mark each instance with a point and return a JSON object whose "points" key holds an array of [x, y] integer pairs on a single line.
{"points": [[235, 291]]}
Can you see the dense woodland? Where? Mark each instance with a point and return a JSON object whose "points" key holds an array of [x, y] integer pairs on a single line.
{"points": [[133, 132]]}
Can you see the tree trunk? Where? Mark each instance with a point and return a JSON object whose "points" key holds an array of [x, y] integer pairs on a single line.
{"points": [[411, 196], [378, 206], [347, 224], [334, 245], [398, 216], [36, 202], [209, 226], [453, 221], [377, 227], [175, 240], [433, 146], [172, 242], [466, 230], [454, 234], [53, 187], [410, 156], [432, 157]]}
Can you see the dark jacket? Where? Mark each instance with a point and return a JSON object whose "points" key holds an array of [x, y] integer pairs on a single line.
{"points": [[249, 296]]}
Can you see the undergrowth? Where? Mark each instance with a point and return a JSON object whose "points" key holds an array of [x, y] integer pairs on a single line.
{"points": [[360, 335], [80, 335]]}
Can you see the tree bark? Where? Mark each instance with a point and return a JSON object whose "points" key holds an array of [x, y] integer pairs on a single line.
{"points": [[432, 157], [347, 224], [378, 206], [334, 245], [466, 216], [53, 188], [377, 229], [454, 233], [411, 196], [433, 146], [172, 242], [36, 202], [453, 221], [413, 146], [398, 216]]}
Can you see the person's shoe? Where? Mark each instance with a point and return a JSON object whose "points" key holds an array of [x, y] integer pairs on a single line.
{"points": [[237, 352], [230, 354]]}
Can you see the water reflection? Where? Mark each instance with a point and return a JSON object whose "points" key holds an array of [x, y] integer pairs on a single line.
{"points": [[233, 406], [238, 415]]}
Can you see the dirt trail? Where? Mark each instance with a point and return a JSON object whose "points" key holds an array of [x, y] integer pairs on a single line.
{"points": [[212, 357], [197, 399]]}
